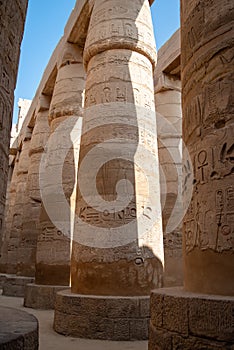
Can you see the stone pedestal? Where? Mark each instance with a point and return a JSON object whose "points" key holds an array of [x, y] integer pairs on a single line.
{"points": [[14, 286], [3, 277], [102, 317], [184, 320], [18, 330], [38, 296], [117, 251]]}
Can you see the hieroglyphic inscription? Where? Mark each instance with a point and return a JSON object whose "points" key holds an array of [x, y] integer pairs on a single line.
{"points": [[122, 23], [120, 80], [214, 163], [50, 235], [94, 217], [209, 221], [202, 220]]}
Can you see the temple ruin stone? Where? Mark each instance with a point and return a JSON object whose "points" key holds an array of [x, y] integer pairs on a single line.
{"points": [[23, 107], [53, 246], [14, 244], [12, 15], [208, 134], [168, 105], [112, 275], [167, 86], [200, 315], [32, 205], [117, 253], [19, 330], [15, 239], [9, 211]]}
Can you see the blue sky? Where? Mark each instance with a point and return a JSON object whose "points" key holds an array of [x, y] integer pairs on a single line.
{"points": [[44, 27]]}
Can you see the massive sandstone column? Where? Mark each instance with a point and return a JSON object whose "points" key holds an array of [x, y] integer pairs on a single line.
{"points": [[32, 205], [201, 315], [9, 212], [15, 284], [169, 127], [117, 255], [57, 182], [123, 107], [12, 14], [208, 130], [15, 241]]}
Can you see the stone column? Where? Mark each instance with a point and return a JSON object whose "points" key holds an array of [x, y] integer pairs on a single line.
{"points": [[117, 255], [9, 212], [12, 15], [17, 211], [32, 205], [15, 284], [208, 130], [201, 315], [169, 127], [57, 182]]}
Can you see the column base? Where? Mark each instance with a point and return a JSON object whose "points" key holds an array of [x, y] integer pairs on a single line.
{"points": [[38, 296], [183, 320], [19, 330], [101, 317], [14, 286], [3, 277]]}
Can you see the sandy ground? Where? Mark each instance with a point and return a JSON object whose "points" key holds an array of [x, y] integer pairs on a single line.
{"points": [[50, 340]]}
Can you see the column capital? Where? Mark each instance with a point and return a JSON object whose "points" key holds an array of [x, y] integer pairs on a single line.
{"points": [[28, 134], [130, 29], [70, 54], [164, 82], [43, 103]]}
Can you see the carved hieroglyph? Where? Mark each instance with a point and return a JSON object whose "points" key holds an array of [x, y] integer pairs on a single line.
{"points": [[207, 77], [12, 14], [53, 247], [169, 127], [118, 243]]}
